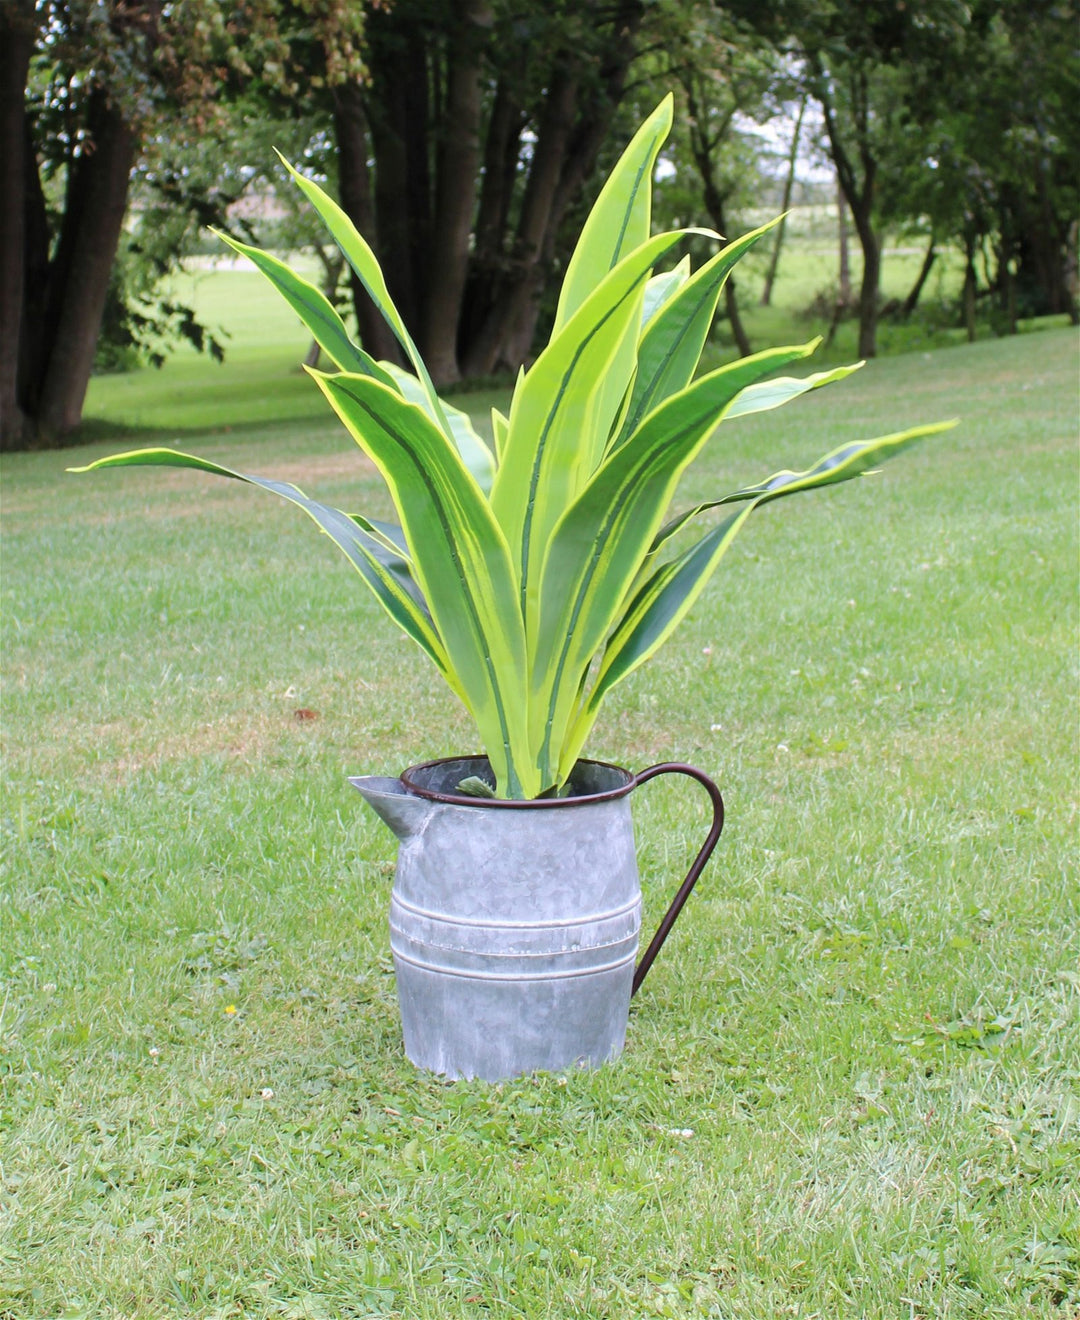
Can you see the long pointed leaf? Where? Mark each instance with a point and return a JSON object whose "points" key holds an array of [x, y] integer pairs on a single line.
{"points": [[459, 557], [563, 408], [851, 460], [596, 551], [775, 393], [314, 309], [661, 287], [662, 602], [652, 616], [599, 545], [363, 261], [735, 377], [620, 218], [741, 375], [476, 456], [671, 345], [384, 571], [388, 535], [500, 426]]}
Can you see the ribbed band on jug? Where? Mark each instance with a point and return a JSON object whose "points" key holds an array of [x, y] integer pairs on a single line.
{"points": [[532, 950]]}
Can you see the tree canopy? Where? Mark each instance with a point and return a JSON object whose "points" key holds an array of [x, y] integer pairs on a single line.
{"points": [[461, 136]]}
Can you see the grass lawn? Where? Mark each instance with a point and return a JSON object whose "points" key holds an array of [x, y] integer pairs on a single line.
{"points": [[852, 1081]]}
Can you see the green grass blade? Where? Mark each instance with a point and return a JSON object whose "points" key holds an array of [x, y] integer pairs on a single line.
{"points": [[384, 570], [621, 217], [671, 345], [459, 557]]}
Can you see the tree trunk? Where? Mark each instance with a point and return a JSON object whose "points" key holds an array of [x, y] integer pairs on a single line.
{"points": [[1007, 281], [714, 205], [838, 311], [1039, 240], [81, 269], [455, 195], [701, 148], [1051, 245], [473, 305], [16, 47], [397, 114], [574, 120], [418, 127], [860, 198], [601, 95], [843, 296], [868, 289], [578, 162], [731, 306], [525, 276], [354, 185], [969, 290], [911, 301], [789, 183], [36, 268], [502, 151]]}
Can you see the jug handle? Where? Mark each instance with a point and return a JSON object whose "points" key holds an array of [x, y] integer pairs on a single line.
{"points": [[696, 868]]}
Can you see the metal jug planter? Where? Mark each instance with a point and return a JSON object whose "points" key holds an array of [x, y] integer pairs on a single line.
{"points": [[514, 924]]}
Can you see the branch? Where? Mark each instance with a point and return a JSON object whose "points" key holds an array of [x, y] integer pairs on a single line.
{"points": [[844, 169]]}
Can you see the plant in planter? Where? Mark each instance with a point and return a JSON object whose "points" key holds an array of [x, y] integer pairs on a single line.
{"points": [[536, 578]]}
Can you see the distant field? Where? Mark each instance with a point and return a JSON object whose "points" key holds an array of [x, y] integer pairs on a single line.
{"points": [[850, 1090], [261, 379]]}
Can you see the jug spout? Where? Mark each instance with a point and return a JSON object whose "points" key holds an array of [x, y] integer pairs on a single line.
{"points": [[402, 811]]}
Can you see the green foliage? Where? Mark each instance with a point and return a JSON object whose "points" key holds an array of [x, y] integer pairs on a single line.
{"points": [[139, 330], [202, 96], [520, 583]]}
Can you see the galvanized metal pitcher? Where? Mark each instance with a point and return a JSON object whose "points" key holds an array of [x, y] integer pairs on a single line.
{"points": [[514, 925]]}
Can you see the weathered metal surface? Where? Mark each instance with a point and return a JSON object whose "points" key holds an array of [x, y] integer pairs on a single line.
{"points": [[513, 926]]}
